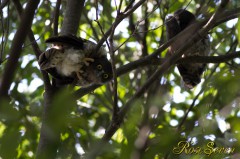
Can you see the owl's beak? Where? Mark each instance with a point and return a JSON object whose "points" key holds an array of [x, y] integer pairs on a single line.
{"points": [[99, 73]]}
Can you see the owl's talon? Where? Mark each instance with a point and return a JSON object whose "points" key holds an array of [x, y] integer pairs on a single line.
{"points": [[78, 75], [87, 60]]}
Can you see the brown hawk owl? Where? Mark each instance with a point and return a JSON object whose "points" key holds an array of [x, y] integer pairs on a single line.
{"points": [[191, 72], [74, 60]]}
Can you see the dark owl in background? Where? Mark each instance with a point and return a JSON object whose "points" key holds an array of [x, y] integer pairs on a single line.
{"points": [[190, 72], [75, 60]]}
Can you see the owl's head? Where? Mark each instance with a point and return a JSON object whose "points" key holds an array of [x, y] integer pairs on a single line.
{"points": [[102, 69], [191, 74], [98, 72]]}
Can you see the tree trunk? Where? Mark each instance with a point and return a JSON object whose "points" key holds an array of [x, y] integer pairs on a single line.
{"points": [[50, 134]]}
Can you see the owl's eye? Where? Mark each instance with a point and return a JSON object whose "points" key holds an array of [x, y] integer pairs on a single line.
{"points": [[105, 76], [99, 67]]}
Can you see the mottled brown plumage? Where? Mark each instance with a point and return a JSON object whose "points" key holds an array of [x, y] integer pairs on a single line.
{"points": [[191, 72], [75, 60]]}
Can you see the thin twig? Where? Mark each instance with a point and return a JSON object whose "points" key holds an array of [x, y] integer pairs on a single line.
{"points": [[151, 60], [117, 21], [134, 28], [3, 4], [131, 35], [120, 6], [226, 57], [225, 16], [115, 83], [210, 59], [16, 48], [96, 10], [101, 29], [159, 72], [129, 6], [2, 39], [111, 49], [4, 32], [195, 99], [116, 7], [34, 45], [91, 26], [145, 27]]}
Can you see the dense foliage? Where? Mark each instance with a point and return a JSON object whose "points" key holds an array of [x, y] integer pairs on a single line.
{"points": [[155, 121]]}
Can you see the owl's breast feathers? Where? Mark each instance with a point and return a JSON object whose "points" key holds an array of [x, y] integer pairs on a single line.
{"points": [[71, 62], [177, 24]]}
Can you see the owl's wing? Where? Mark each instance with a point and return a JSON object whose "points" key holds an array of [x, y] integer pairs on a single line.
{"points": [[70, 40], [178, 22], [184, 22], [175, 27], [172, 27]]}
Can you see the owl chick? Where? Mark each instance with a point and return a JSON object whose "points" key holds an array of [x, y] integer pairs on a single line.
{"points": [[191, 72], [76, 61]]}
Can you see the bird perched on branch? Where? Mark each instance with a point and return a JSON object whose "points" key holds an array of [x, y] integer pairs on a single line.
{"points": [[75, 60], [191, 72]]}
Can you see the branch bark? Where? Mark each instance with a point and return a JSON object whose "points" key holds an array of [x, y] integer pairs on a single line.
{"points": [[117, 21], [49, 137], [50, 134], [72, 17], [115, 82], [164, 67], [16, 48], [56, 17], [152, 58], [34, 44], [3, 4]]}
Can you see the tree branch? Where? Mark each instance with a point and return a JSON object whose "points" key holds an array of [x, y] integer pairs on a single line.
{"points": [[228, 15], [16, 49], [34, 44], [164, 67], [72, 16], [194, 101], [151, 60], [91, 25], [3, 4], [115, 82], [165, 64], [225, 57], [117, 21], [50, 134], [210, 59], [56, 17]]}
